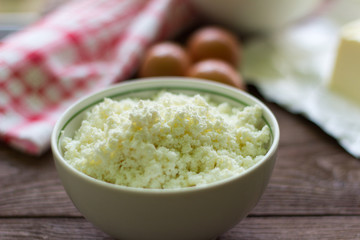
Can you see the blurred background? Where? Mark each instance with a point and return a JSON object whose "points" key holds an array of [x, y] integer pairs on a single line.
{"points": [[16, 14]]}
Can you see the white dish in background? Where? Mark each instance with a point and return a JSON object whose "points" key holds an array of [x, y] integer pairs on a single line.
{"points": [[252, 16]]}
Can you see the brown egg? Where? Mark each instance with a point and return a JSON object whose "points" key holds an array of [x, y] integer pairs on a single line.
{"points": [[165, 59], [217, 70], [214, 42]]}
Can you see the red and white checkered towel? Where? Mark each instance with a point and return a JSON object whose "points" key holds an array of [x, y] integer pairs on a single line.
{"points": [[80, 48]]}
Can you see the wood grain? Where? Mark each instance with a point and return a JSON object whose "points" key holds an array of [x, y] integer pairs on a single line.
{"points": [[49, 228], [295, 228], [29, 186], [251, 228]]}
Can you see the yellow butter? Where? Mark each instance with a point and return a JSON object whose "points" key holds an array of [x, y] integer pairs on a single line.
{"points": [[345, 78]]}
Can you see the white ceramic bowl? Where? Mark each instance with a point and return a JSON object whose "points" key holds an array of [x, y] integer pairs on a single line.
{"points": [[194, 213], [256, 15]]}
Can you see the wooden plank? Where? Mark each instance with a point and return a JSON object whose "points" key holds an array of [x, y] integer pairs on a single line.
{"points": [[283, 228], [280, 228], [315, 183], [49, 228], [29, 186]]}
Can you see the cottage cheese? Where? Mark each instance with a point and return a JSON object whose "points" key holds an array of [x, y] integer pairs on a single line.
{"points": [[170, 141]]}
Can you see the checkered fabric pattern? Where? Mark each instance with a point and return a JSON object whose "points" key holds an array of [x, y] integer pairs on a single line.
{"points": [[82, 47]]}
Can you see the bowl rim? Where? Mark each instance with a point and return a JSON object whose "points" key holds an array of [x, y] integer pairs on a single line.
{"points": [[93, 99]]}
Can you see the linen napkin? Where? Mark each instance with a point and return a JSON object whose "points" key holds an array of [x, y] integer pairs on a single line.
{"points": [[292, 68], [79, 48]]}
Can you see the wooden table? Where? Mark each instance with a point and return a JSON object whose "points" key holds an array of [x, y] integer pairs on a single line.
{"points": [[314, 193]]}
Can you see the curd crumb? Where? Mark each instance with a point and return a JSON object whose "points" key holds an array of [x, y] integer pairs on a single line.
{"points": [[169, 141]]}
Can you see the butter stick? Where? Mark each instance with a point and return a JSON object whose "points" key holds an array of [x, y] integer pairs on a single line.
{"points": [[345, 77]]}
